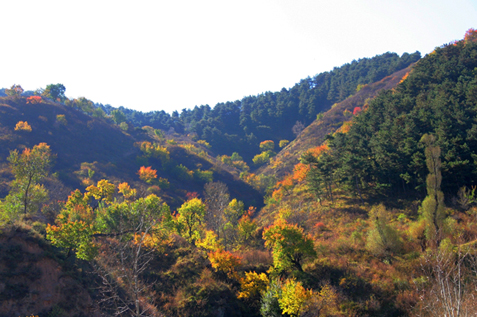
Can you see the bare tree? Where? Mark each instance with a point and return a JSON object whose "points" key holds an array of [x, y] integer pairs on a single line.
{"points": [[123, 260], [297, 128], [217, 199], [449, 285]]}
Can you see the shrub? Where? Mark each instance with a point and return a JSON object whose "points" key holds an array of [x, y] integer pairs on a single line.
{"points": [[383, 240], [283, 143], [34, 100], [23, 126], [60, 118]]}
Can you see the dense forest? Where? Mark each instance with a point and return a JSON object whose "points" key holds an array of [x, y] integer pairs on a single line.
{"points": [[111, 212], [240, 126], [382, 152]]}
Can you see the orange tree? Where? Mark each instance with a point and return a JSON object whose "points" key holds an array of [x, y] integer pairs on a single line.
{"points": [[225, 262], [34, 100], [147, 174], [289, 245]]}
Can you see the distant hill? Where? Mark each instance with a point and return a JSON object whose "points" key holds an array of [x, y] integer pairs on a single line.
{"points": [[240, 126]]}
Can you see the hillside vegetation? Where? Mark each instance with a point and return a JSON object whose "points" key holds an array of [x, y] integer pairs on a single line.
{"points": [[241, 125], [377, 218], [88, 148], [327, 123]]}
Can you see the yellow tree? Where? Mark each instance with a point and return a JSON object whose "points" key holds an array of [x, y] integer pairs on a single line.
{"points": [[225, 262], [253, 284], [23, 126], [190, 219], [293, 298]]}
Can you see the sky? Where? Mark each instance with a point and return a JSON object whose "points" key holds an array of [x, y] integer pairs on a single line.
{"points": [[170, 55]]}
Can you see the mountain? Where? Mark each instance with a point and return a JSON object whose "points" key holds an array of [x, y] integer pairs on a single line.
{"points": [[240, 126], [376, 219], [439, 98]]}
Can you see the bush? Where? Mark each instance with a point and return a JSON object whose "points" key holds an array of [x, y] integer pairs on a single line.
{"points": [[23, 126]]}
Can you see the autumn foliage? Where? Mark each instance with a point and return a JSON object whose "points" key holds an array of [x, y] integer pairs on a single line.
{"points": [[267, 145], [356, 111], [470, 36], [317, 151], [253, 285], [34, 100], [23, 126], [147, 174], [289, 244], [225, 262], [300, 171]]}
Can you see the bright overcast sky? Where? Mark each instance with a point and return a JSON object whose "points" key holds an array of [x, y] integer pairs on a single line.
{"points": [[168, 55]]}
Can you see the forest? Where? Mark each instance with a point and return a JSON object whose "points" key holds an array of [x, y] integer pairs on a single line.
{"points": [[240, 125], [114, 212]]}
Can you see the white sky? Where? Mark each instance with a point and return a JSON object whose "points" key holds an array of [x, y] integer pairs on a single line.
{"points": [[168, 55]]}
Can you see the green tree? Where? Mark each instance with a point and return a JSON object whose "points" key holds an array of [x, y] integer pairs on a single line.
{"points": [[267, 145], [55, 92], [322, 173], [283, 143], [236, 157], [232, 215], [127, 233], [433, 208], [15, 90], [84, 105], [289, 245], [383, 240], [29, 168], [78, 227], [270, 306], [118, 116], [262, 158]]}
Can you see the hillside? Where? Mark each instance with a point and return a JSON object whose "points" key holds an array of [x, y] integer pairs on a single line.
{"points": [[82, 142], [377, 220], [383, 148], [331, 120], [239, 126], [35, 277]]}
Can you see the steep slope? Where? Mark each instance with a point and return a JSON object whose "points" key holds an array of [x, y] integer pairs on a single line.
{"points": [[331, 121], [36, 279], [383, 151]]}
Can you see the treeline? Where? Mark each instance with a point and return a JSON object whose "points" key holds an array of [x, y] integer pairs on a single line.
{"points": [[383, 153], [241, 125]]}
